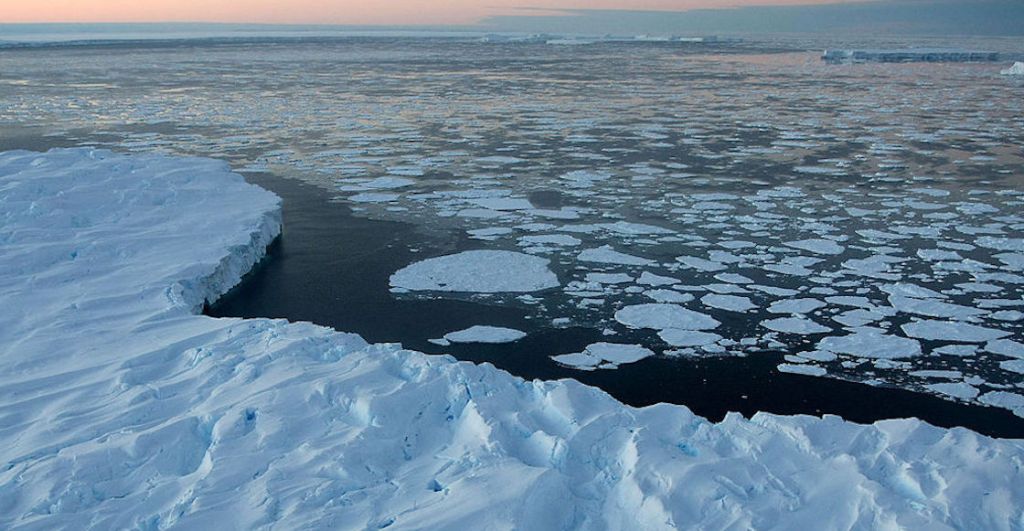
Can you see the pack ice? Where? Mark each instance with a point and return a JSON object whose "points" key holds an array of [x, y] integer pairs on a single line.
{"points": [[124, 408]]}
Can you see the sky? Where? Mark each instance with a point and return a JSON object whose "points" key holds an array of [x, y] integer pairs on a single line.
{"points": [[344, 12], [677, 17]]}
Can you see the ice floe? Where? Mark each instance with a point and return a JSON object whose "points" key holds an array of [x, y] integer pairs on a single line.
{"points": [[870, 344], [477, 272], [664, 316], [951, 331], [485, 334]]}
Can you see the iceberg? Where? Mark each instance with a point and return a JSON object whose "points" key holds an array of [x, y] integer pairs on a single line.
{"points": [[123, 407]]}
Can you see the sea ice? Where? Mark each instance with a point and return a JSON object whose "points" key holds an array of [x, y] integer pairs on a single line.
{"points": [[663, 316], [688, 338], [606, 255], [732, 303], [868, 344], [602, 354], [796, 306], [951, 331], [817, 246], [477, 272], [806, 370], [960, 390], [485, 334], [795, 325]]}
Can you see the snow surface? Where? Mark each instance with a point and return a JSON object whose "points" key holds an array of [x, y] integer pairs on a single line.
{"points": [[123, 408], [477, 272]]}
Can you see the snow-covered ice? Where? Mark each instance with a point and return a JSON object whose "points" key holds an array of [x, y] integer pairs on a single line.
{"points": [[871, 344], [124, 408], [952, 331], [806, 370], [795, 325], [485, 334], [477, 272], [732, 303], [661, 316]]}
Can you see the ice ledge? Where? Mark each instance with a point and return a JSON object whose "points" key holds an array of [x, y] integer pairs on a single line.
{"points": [[122, 409]]}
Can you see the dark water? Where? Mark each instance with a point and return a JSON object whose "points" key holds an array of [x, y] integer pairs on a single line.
{"points": [[332, 268]]}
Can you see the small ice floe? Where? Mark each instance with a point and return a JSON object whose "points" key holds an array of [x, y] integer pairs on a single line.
{"points": [[608, 278], [952, 331], [664, 316], [374, 197], [650, 279], [1005, 347], [667, 295], [700, 264], [806, 370], [1016, 366], [477, 272], [732, 303], [795, 325], [489, 233], [606, 255], [817, 246], [485, 334], [796, 306], [961, 390], [502, 203], [933, 308], [558, 240], [960, 351], [1004, 399], [933, 373], [604, 356], [688, 338], [871, 344]]}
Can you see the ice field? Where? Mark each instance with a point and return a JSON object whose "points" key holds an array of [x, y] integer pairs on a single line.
{"points": [[863, 219], [126, 409]]}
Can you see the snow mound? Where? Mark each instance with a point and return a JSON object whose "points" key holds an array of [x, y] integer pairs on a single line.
{"points": [[124, 409], [1016, 70], [478, 272]]}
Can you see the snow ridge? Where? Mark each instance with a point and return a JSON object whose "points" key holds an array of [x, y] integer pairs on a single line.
{"points": [[123, 409]]}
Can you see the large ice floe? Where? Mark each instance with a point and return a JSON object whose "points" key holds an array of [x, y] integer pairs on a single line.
{"points": [[124, 408]]}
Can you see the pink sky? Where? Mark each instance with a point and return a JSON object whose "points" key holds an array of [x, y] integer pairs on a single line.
{"points": [[359, 12]]}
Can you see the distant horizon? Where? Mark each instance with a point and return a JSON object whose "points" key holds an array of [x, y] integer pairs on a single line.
{"points": [[892, 17], [346, 12]]}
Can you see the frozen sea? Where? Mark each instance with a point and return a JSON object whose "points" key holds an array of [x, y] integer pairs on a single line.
{"points": [[755, 229]]}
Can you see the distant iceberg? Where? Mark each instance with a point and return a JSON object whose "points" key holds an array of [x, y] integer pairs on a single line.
{"points": [[1016, 70]]}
